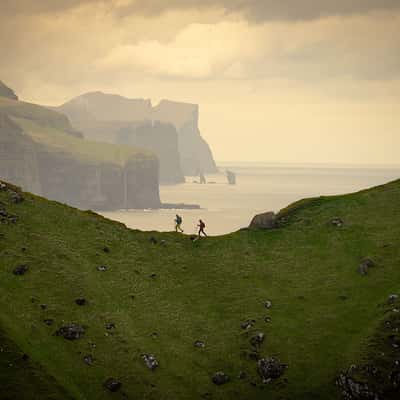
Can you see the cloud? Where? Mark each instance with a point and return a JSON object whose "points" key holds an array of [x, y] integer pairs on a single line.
{"points": [[258, 10]]}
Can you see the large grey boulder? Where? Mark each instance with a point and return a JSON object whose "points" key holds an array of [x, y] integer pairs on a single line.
{"points": [[270, 368], [264, 221]]}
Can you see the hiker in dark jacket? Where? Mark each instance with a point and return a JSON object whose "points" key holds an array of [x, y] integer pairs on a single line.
{"points": [[178, 223], [201, 226]]}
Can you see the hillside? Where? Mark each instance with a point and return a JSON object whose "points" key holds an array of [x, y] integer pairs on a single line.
{"points": [[160, 293], [6, 92], [101, 116], [40, 151]]}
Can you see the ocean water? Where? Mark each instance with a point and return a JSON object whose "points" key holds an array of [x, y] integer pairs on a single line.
{"points": [[260, 187]]}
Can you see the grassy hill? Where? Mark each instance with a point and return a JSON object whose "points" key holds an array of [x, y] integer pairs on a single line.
{"points": [[162, 297]]}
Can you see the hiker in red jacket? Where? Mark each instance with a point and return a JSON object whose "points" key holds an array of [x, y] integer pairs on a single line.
{"points": [[201, 226]]}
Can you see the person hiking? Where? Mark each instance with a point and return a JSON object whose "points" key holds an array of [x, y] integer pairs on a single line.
{"points": [[201, 226], [178, 223]]}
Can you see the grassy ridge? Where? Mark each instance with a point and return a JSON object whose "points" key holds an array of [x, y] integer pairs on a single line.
{"points": [[322, 318]]}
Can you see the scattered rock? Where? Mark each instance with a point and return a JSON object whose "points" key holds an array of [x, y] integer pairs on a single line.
{"points": [[80, 301], [106, 249], [16, 197], [248, 324], [392, 298], [270, 368], [257, 339], [43, 306], [264, 221], [268, 304], [267, 319], [338, 222], [102, 268], [153, 240], [163, 243], [365, 265], [20, 270], [220, 378], [242, 375], [88, 359], [353, 390], [199, 344], [150, 361], [3, 187], [112, 384], [110, 325], [48, 322], [153, 276], [25, 357], [154, 335], [71, 331]]}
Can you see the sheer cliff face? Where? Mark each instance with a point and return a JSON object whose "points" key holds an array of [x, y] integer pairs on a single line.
{"points": [[195, 153], [5, 91], [37, 153], [103, 116]]}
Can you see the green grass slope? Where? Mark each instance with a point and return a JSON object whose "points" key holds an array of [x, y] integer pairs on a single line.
{"points": [[163, 297], [53, 130]]}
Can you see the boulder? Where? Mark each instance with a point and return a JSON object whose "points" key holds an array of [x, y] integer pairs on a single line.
{"points": [[220, 378], [248, 324], [365, 265], [264, 221], [16, 197], [338, 222], [71, 331], [80, 301], [353, 390], [150, 361], [199, 344], [393, 298], [112, 384], [270, 368], [268, 304], [20, 270], [102, 268], [88, 359], [257, 339]]}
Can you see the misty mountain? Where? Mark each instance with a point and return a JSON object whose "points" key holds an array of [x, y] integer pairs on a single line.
{"points": [[116, 119], [40, 151]]}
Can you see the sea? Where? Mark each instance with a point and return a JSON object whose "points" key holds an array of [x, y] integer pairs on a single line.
{"points": [[260, 187]]}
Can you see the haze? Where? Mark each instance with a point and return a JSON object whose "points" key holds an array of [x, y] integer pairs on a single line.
{"points": [[288, 81]]}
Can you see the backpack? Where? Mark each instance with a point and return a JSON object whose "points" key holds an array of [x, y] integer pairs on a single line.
{"points": [[178, 219]]}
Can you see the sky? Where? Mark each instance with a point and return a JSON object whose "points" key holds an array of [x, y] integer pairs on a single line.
{"points": [[298, 81]]}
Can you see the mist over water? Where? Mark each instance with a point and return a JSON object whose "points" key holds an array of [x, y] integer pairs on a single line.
{"points": [[260, 187]]}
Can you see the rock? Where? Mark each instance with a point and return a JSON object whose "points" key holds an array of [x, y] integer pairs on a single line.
{"points": [[88, 359], [150, 361], [270, 368], [392, 298], [365, 265], [16, 197], [71, 331], [199, 344], [220, 378], [257, 339], [153, 240], [48, 322], [3, 187], [263, 221], [80, 301], [110, 325], [268, 304], [153, 276], [112, 384], [25, 357], [102, 268], [163, 243], [267, 319], [248, 324], [242, 375], [20, 269], [106, 249], [43, 306], [338, 222], [353, 390]]}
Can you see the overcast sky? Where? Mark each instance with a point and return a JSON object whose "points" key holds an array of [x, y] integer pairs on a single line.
{"points": [[277, 81]]}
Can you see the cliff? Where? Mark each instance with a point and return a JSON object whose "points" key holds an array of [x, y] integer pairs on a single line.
{"points": [[102, 116], [5, 91], [40, 151]]}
